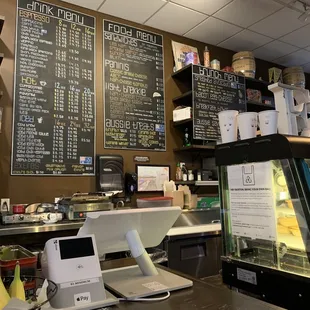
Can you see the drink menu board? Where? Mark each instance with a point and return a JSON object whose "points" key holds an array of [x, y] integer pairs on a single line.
{"points": [[133, 88], [214, 91], [54, 102]]}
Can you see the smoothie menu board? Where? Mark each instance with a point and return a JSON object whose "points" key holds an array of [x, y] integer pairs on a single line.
{"points": [[133, 88], [54, 102], [214, 91]]}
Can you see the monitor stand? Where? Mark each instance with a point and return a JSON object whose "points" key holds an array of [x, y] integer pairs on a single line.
{"points": [[143, 280]]}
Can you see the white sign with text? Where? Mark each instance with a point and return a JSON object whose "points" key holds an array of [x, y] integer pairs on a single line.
{"points": [[252, 202]]}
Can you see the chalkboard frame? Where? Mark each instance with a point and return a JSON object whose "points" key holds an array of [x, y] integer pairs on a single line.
{"points": [[193, 66], [103, 89], [94, 101]]}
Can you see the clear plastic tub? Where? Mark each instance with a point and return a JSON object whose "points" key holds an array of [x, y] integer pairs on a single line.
{"points": [[154, 202]]}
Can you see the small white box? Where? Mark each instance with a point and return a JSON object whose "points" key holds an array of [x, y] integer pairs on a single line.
{"points": [[180, 114]]}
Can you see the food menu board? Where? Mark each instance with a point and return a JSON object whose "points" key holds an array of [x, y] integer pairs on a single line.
{"points": [[214, 91], [54, 104], [134, 103]]}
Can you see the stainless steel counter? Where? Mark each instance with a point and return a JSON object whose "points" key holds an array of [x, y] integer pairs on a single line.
{"points": [[19, 229], [188, 218]]}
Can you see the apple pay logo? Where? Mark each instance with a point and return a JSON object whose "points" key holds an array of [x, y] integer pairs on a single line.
{"points": [[82, 298]]}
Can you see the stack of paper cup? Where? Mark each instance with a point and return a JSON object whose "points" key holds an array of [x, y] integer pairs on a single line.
{"points": [[268, 122], [247, 123], [228, 125]]}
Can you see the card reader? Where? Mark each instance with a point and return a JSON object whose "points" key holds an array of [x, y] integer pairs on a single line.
{"points": [[72, 263]]}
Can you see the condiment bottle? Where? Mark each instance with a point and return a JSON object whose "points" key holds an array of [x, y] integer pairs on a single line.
{"points": [[184, 173], [206, 57], [178, 175], [191, 175], [187, 138]]}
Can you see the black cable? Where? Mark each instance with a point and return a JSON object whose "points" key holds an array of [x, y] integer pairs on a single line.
{"points": [[54, 290]]}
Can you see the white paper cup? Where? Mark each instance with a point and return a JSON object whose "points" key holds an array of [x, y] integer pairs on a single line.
{"points": [[228, 125], [247, 123], [268, 122]]}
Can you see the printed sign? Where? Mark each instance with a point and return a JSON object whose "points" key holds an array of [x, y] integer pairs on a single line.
{"points": [[252, 202]]}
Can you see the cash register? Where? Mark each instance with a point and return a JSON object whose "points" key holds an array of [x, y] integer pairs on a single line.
{"points": [[71, 264], [265, 207]]}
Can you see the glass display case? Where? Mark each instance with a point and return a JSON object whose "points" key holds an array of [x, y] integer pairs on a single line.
{"points": [[265, 204]]}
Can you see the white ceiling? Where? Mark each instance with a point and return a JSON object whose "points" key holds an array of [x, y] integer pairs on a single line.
{"points": [[269, 28]]}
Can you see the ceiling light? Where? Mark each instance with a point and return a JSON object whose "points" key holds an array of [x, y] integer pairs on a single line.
{"points": [[306, 15]]}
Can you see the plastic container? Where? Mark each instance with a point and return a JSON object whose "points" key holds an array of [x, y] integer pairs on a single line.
{"points": [[154, 202], [9, 256]]}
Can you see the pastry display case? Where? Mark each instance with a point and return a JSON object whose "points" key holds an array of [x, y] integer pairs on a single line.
{"points": [[265, 207]]}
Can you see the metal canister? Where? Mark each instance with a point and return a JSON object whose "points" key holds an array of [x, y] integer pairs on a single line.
{"points": [[215, 64]]}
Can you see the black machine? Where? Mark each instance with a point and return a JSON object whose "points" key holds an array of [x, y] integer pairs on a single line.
{"points": [[110, 173], [131, 184], [265, 207]]}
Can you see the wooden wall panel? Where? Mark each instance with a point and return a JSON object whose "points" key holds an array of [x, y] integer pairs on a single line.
{"points": [[27, 189]]}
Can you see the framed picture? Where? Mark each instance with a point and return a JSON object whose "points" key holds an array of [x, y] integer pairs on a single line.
{"points": [[151, 178]]}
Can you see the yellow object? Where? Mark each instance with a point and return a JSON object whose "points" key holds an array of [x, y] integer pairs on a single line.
{"points": [[283, 230], [288, 221], [17, 289], [289, 204], [295, 231], [4, 295]]}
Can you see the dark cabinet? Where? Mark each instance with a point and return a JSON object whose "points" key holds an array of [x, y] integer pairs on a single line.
{"points": [[197, 255]]}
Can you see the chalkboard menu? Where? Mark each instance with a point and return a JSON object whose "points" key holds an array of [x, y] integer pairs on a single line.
{"points": [[54, 104], [133, 88], [214, 91]]}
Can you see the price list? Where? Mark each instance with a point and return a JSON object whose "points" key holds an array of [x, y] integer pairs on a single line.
{"points": [[54, 102], [133, 88], [214, 91]]}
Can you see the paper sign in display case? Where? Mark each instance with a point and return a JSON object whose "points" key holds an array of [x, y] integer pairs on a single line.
{"points": [[265, 202]]}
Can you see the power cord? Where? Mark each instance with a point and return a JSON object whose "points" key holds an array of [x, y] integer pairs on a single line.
{"points": [[147, 299]]}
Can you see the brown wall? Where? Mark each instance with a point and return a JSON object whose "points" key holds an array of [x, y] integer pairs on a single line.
{"points": [[27, 189]]}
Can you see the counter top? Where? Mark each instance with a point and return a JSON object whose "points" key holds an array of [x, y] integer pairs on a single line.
{"points": [[175, 231], [201, 296], [17, 229]]}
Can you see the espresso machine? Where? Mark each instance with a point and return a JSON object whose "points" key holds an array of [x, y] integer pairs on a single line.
{"points": [[265, 208]]}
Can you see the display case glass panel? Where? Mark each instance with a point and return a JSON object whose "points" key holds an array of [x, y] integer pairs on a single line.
{"points": [[265, 214]]}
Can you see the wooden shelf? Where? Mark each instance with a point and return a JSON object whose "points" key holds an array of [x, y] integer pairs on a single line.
{"points": [[196, 148], [259, 106], [2, 18], [182, 123], [250, 80], [259, 85], [184, 74], [184, 99]]}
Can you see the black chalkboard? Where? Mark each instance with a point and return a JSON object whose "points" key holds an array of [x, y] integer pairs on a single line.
{"points": [[214, 91], [134, 103], [54, 99]]}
